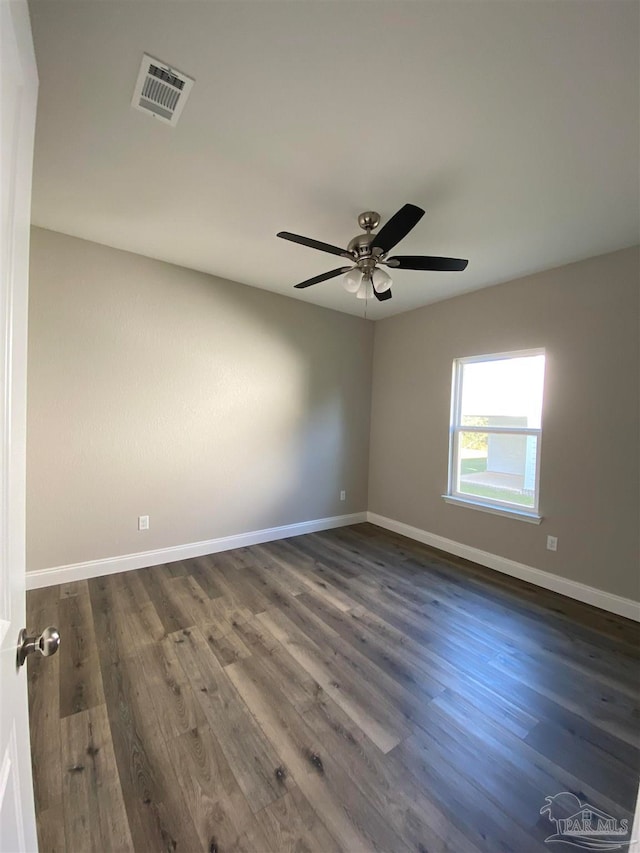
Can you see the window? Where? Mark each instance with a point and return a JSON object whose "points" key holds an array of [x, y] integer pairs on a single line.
{"points": [[496, 421]]}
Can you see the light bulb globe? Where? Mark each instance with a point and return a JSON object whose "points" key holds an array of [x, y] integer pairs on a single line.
{"points": [[381, 280], [365, 291], [352, 280]]}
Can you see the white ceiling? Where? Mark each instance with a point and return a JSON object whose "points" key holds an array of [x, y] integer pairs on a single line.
{"points": [[514, 124]]}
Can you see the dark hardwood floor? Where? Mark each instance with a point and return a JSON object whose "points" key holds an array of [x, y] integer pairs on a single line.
{"points": [[342, 691]]}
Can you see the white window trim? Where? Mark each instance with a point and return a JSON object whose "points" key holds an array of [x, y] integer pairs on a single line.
{"points": [[455, 497], [507, 512]]}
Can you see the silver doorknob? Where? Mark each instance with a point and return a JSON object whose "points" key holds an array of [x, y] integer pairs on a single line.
{"points": [[47, 644]]}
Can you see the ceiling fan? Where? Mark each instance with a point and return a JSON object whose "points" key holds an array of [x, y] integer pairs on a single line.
{"points": [[369, 251]]}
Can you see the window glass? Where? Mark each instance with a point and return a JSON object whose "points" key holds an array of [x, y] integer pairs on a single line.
{"points": [[499, 467], [503, 392]]}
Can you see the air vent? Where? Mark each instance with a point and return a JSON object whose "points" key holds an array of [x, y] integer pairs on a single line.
{"points": [[160, 90]]}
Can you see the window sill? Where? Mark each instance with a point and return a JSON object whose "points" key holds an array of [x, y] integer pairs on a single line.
{"points": [[518, 514]]}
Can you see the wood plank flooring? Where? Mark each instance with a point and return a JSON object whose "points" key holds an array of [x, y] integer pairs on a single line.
{"points": [[350, 690]]}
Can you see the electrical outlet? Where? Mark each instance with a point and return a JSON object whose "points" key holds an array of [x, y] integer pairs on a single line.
{"points": [[143, 522], [343, 495], [552, 543]]}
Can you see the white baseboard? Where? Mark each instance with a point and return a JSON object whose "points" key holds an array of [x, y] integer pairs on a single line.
{"points": [[111, 565], [573, 589]]}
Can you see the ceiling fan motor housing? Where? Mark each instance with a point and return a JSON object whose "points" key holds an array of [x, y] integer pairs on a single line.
{"points": [[360, 246]]}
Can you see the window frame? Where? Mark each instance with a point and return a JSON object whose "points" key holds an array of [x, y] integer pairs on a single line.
{"points": [[490, 505]]}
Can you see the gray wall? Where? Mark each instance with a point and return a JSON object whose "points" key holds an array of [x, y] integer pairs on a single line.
{"points": [[212, 407], [586, 316]]}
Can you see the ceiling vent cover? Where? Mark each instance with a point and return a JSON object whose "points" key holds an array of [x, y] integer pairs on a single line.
{"points": [[160, 90]]}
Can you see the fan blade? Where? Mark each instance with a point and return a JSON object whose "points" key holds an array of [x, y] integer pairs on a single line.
{"points": [[313, 244], [323, 277], [397, 227], [425, 262], [382, 297]]}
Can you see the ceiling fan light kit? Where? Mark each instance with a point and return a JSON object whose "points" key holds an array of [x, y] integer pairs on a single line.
{"points": [[355, 281], [368, 251]]}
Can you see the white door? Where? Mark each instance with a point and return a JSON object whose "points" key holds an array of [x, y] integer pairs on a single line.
{"points": [[19, 88]]}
